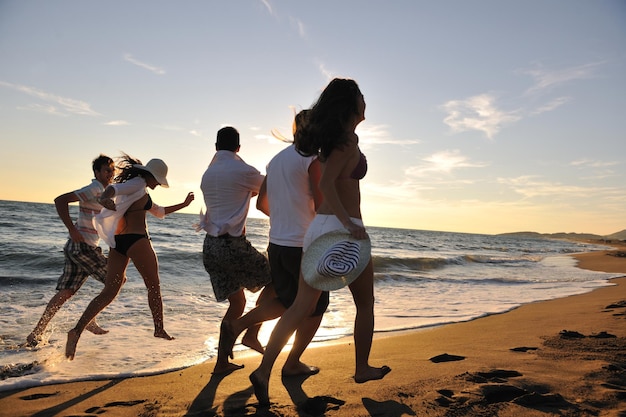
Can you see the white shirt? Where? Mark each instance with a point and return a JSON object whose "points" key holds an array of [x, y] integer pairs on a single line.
{"points": [[126, 193], [88, 208], [290, 197], [228, 184]]}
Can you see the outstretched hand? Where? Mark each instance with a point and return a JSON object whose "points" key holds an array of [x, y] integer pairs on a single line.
{"points": [[189, 199]]}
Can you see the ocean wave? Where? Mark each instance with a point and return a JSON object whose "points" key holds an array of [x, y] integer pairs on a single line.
{"points": [[10, 281], [417, 263], [382, 278], [29, 266], [431, 263]]}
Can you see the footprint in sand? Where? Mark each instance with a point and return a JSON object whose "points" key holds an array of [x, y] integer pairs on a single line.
{"points": [[570, 334], [99, 410], [38, 396], [444, 357], [523, 349]]}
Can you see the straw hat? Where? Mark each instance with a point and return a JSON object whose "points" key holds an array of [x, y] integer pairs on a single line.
{"points": [[334, 260], [158, 169]]}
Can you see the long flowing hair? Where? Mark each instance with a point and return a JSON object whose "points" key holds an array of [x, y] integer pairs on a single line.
{"points": [[298, 120], [325, 124], [126, 169]]}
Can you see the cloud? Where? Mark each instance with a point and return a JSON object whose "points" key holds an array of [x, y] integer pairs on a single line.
{"points": [[170, 128], [325, 72], [530, 187], [117, 123], [594, 164], [443, 162], [595, 170], [67, 105], [552, 105], [297, 23], [268, 6], [546, 79], [153, 69], [48, 109], [477, 113], [481, 113], [272, 139], [371, 135]]}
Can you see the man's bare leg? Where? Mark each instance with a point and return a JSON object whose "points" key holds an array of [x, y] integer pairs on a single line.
{"points": [[269, 309], [52, 308]]}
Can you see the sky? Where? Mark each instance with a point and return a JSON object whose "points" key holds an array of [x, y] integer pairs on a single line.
{"points": [[485, 116]]}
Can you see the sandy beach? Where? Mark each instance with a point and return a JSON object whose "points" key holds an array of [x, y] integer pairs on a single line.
{"points": [[564, 357]]}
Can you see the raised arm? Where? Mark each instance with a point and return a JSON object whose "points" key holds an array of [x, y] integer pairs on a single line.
{"points": [[176, 207]]}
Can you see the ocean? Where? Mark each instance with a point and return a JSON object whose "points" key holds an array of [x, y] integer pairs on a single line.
{"points": [[422, 279]]}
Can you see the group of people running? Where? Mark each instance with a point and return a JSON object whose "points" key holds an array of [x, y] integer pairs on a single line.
{"points": [[310, 188]]}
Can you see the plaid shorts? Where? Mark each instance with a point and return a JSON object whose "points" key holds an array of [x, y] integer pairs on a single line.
{"points": [[81, 261], [233, 264]]}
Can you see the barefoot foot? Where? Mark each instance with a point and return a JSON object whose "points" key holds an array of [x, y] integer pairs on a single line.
{"points": [[70, 346], [162, 334], [261, 388], [226, 368], [252, 343], [94, 328], [372, 374], [300, 369], [33, 339]]}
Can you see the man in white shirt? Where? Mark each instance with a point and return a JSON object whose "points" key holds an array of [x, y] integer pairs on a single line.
{"points": [[232, 262], [83, 256], [289, 196]]}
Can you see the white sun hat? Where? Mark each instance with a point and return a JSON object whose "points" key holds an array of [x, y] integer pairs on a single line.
{"points": [[158, 169], [334, 260]]}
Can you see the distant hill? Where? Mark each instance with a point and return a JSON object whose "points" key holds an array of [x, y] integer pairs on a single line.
{"points": [[617, 236], [576, 236]]}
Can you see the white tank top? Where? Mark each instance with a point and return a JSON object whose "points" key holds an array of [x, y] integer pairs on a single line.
{"points": [[290, 198]]}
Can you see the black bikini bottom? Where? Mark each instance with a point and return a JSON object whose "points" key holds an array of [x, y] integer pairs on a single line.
{"points": [[124, 242]]}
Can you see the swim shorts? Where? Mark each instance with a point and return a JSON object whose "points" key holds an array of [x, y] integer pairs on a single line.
{"points": [[81, 261], [285, 270], [233, 264]]}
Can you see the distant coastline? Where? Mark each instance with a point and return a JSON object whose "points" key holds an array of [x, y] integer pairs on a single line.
{"points": [[618, 237]]}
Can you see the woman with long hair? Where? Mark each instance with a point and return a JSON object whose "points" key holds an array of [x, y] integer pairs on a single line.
{"points": [[329, 133], [122, 225]]}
